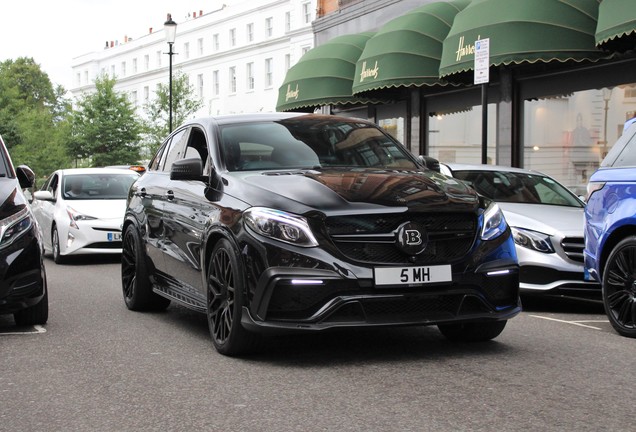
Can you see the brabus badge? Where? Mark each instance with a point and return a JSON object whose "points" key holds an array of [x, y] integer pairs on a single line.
{"points": [[412, 238]]}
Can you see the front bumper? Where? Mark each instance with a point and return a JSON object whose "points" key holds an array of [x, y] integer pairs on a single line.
{"points": [[328, 293], [92, 237]]}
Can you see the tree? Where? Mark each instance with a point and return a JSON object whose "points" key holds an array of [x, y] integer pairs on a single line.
{"points": [[184, 104], [104, 127]]}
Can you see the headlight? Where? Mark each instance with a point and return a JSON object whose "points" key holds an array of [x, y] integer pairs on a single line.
{"points": [[281, 226], [532, 240], [75, 216], [12, 227], [494, 222]]}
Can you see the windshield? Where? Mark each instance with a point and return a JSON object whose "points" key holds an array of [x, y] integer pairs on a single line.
{"points": [[310, 143], [503, 186], [97, 186]]}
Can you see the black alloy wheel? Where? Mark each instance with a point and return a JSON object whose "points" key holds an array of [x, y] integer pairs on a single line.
{"points": [[136, 286], [225, 302], [619, 287], [55, 246]]}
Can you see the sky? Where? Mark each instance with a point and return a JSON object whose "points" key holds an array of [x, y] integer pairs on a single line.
{"points": [[53, 32]]}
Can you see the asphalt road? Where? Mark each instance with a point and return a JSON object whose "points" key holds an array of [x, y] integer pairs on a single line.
{"points": [[98, 367]]}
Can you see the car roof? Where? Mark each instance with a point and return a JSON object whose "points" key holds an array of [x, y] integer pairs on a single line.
{"points": [[73, 171], [246, 118]]}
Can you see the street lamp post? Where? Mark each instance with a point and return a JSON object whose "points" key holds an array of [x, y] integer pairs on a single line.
{"points": [[170, 29], [607, 95]]}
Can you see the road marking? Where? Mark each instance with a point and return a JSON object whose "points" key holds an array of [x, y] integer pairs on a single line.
{"points": [[36, 329], [577, 323]]}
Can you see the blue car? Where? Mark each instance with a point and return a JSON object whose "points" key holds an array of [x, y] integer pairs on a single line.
{"points": [[610, 232]]}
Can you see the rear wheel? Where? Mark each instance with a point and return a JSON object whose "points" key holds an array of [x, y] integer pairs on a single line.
{"points": [[472, 331], [225, 302], [55, 245], [619, 287], [136, 286]]}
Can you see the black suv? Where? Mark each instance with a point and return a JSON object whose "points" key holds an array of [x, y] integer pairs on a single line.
{"points": [[23, 289], [296, 222]]}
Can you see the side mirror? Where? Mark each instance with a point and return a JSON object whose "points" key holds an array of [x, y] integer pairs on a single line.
{"points": [[187, 169], [43, 195], [429, 162], [26, 176]]}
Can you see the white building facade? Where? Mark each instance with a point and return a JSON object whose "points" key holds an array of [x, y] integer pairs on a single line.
{"points": [[235, 57]]}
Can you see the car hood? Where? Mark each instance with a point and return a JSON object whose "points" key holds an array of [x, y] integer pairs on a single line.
{"points": [[10, 197], [347, 190], [548, 219], [101, 209]]}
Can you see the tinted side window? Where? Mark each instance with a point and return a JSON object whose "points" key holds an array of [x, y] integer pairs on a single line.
{"points": [[175, 151], [627, 157]]}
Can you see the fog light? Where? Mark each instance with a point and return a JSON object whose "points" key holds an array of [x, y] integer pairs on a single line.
{"points": [[306, 282], [69, 240]]}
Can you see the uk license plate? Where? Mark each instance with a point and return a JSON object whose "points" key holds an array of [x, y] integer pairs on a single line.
{"points": [[412, 275], [114, 236]]}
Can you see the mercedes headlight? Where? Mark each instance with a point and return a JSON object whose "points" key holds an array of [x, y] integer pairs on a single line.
{"points": [[280, 226], [13, 226], [532, 240]]}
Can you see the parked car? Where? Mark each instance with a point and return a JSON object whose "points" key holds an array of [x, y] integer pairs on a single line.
{"points": [[610, 232], [23, 290], [546, 219], [81, 210], [295, 222]]}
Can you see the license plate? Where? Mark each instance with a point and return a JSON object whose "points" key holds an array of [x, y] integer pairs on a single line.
{"points": [[114, 236], [412, 275]]}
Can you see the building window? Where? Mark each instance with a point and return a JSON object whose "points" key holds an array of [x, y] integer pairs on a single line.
{"points": [[186, 50], [307, 13], [133, 98], [123, 69], [78, 79], [134, 62], [250, 32], [287, 22], [269, 79], [233, 79], [146, 94], [215, 41], [233, 37], [158, 59], [146, 62], [85, 77], [304, 50], [200, 86], [200, 46], [249, 72], [112, 71], [287, 62], [215, 83], [269, 27]]}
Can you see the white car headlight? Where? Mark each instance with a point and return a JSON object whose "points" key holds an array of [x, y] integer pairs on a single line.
{"points": [[13, 226], [532, 240], [494, 222], [75, 216], [280, 226]]}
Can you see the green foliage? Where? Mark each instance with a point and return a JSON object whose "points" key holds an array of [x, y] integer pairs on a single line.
{"points": [[184, 104], [32, 116], [104, 127]]}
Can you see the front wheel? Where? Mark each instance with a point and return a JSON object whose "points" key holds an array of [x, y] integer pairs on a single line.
{"points": [[619, 287], [225, 302], [55, 245], [136, 286], [472, 331]]}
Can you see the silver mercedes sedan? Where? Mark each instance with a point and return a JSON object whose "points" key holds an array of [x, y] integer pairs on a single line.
{"points": [[546, 219]]}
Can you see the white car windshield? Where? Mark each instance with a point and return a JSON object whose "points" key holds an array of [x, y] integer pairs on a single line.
{"points": [[97, 186]]}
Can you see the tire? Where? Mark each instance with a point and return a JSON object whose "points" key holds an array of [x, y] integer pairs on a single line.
{"points": [[472, 331], [55, 247], [136, 286], [38, 314], [225, 301], [619, 287]]}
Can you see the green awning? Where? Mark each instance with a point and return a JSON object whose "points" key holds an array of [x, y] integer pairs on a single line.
{"points": [[324, 75], [522, 31], [616, 29], [407, 50]]}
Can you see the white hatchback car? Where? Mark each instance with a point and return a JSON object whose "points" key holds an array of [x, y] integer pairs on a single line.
{"points": [[81, 210], [546, 220]]}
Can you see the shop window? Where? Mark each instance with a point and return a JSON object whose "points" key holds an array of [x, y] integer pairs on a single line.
{"points": [[568, 136]]}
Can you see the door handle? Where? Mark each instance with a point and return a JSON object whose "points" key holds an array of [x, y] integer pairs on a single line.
{"points": [[142, 192], [170, 195]]}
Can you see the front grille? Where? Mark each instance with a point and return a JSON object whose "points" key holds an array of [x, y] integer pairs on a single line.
{"points": [[371, 238], [573, 248]]}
